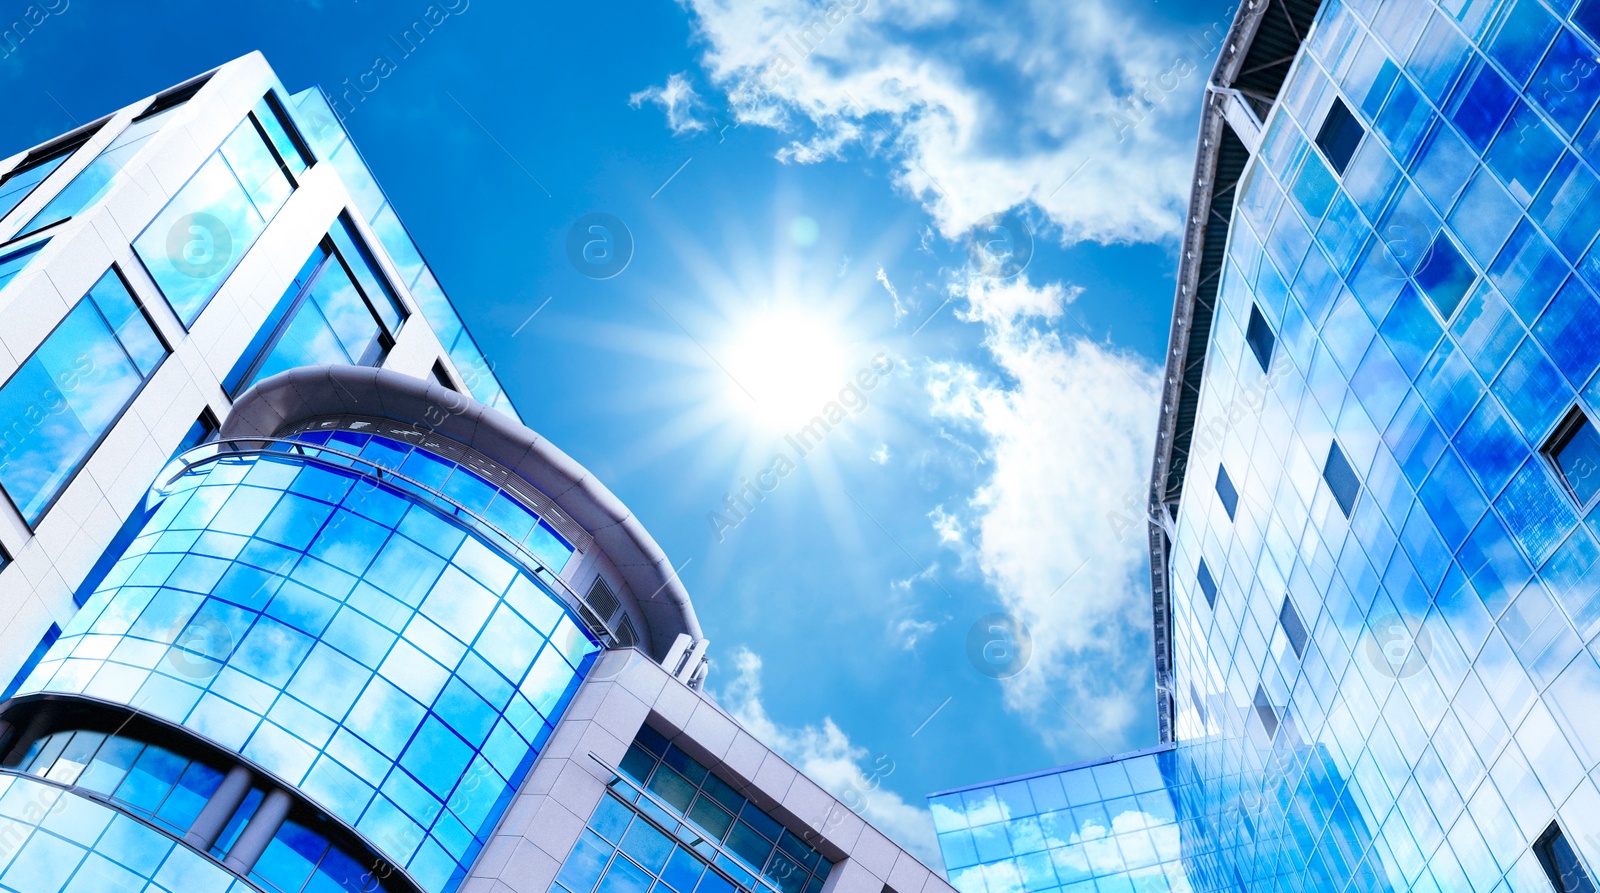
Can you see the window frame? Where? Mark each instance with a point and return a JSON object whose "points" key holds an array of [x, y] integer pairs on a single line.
{"points": [[1543, 850], [1559, 437], [144, 382], [63, 148], [241, 377]]}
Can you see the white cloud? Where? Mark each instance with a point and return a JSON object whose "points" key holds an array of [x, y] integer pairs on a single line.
{"points": [[824, 753], [894, 294], [880, 456], [1088, 90], [1067, 430], [678, 99]]}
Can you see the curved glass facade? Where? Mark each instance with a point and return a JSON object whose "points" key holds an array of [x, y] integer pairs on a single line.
{"points": [[361, 645], [57, 841]]}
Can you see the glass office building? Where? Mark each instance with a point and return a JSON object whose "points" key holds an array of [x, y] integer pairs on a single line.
{"points": [[294, 603], [1373, 515]]}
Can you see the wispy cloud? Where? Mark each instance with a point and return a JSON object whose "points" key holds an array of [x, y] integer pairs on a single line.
{"points": [[894, 295], [1087, 90], [1067, 429], [678, 99], [824, 752]]}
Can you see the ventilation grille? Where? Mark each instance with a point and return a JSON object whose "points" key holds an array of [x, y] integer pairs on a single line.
{"points": [[601, 599], [488, 469]]}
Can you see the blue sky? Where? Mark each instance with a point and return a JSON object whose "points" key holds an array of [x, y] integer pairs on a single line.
{"points": [[794, 213]]}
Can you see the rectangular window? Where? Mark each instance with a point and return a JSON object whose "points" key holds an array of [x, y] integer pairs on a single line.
{"points": [[1342, 480], [39, 164], [174, 97], [1339, 136], [16, 261], [39, 651], [204, 430], [97, 178], [1574, 450], [1226, 492], [1207, 584], [65, 396], [442, 375], [1561, 864], [1267, 713], [1293, 627], [1260, 338], [339, 310], [199, 237], [1444, 275]]}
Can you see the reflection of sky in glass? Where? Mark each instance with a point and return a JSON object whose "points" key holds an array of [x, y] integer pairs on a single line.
{"points": [[62, 399], [1433, 711], [357, 645]]}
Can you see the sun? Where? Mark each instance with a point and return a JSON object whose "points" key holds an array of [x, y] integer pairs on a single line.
{"points": [[789, 362]]}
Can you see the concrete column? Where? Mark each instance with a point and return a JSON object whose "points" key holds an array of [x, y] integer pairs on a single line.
{"points": [[258, 833], [219, 809]]}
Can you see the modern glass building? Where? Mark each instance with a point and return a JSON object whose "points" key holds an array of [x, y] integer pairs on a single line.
{"points": [[1373, 516], [297, 603]]}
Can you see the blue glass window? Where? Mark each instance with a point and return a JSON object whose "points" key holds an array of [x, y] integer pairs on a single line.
{"points": [[64, 398], [199, 237], [1444, 275], [1341, 479], [96, 179], [1226, 492], [20, 183], [1561, 864], [1524, 33], [1207, 584], [204, 430], [1266, 712], [339, 309], [1575, 451], [1566, 86], [1480, 103], [1524, 152], [16, 261], [1339, 135], [663, 793], [1260, 338]]}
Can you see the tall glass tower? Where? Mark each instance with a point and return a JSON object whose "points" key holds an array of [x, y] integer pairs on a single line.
{"points": [[1376, 608], [297, 603]]}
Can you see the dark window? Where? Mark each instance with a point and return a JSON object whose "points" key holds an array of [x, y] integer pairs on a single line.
{"points": [[1561, 864], [1268, 713], [1445, 275], [1293, 627], [1575, 452], [442, 376], [1260, 338], [1226, 492], [174, 97], [50, 637], [32, 170], [1208, 585], [1342, 480], [204, 430], [1339, 136]]}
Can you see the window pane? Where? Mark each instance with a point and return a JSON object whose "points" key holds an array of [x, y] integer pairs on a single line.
{"points": [[196, 239], [20, 184], [17, 261], [61, 400], [95, 180], [256, 168]]}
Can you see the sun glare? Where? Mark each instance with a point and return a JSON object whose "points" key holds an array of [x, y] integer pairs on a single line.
{"points": [[791, 362]]}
